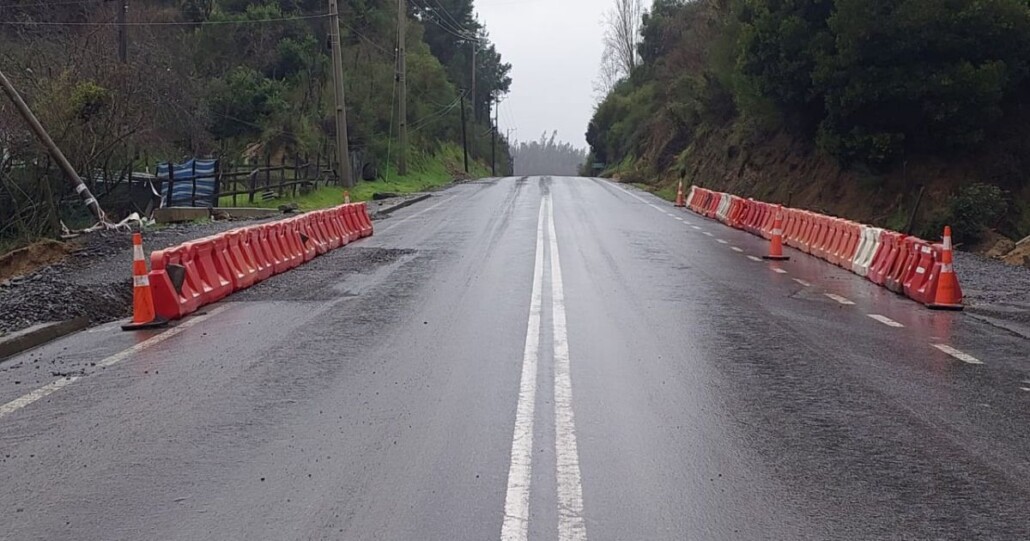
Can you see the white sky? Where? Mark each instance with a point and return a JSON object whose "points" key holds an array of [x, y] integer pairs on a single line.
{"points": [[554, 47]]}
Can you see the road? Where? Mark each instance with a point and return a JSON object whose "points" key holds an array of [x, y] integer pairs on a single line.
{"points": [[532, 358]]}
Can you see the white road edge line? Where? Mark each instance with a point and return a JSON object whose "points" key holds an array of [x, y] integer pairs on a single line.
{"points": [[720, 241], [753, 258], [735, 249], [708, 234], [696, 227], [842, 300], [964, 357], [571, 524], [779, 271], [515, 526], [886, 321], [802, 282], [51, 388]]}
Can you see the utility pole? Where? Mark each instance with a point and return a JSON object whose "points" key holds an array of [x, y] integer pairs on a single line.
{"points": [[55, 153], [493, 140], [342, 150], [475, 110], [464, 136], [402, 79], [123, 32]]}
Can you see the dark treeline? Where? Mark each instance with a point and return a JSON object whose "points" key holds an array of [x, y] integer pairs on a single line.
{"points": [[547, 157]]}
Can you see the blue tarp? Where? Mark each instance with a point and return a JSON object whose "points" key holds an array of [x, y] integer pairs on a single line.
{"points": [[199, 175]]}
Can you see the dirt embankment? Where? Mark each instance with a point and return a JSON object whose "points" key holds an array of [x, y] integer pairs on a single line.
{"points": [[784, 169]]}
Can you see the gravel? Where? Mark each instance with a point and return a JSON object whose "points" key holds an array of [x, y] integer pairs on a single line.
{"points": [[995, 292], [95, 281]]}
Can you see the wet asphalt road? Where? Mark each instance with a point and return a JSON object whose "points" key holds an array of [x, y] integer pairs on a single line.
{"points": [[681, 391]]}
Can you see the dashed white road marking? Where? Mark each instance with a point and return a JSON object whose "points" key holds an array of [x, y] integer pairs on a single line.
{"points": [[678, 218], [735, 249], [753, 258], [515, 526], [720, 241], [51, 388], [886, 321], [696, 227], [839, 299], [571, 523], [964, 357], [803, 282], [1027, 389], [779, 270], [708, 234]]}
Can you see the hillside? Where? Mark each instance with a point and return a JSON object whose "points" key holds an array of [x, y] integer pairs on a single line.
{"points": [[231, 79], [845, 106]]}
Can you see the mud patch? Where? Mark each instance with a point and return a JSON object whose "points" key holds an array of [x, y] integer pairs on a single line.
{"points": [[32, 257]]}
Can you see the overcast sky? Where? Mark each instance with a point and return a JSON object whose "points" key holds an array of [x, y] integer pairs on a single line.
{"points": [[554, 47]]}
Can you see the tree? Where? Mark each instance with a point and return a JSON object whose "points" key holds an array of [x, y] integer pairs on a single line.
{"points": [[621, 36]]}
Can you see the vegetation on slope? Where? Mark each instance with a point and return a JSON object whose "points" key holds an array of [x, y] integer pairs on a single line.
{"points": [[847, 105]]}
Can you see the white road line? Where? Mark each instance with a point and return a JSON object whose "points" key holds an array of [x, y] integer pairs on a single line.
{"points": [[571, 524], [735, 249], [720, 241], [38, 394], [839, 299], [678, 218], [753, 258], [802, 282], [708, 234], [964, 357], [515, 526], [696, 227], [1027, 389], [779, 271], [886, 321], [51, 388]]}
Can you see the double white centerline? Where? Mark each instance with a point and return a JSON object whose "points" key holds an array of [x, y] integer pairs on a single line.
{"points": [[571, 525]]}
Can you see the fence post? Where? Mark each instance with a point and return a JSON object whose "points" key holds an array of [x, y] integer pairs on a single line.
{"points": [[296, 173], [282, 174], [218, 183]]}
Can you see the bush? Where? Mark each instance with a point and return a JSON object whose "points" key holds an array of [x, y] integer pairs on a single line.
{"points": [[970, 212]]}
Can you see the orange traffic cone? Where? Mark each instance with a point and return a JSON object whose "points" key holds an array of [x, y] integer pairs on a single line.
{"points": [[143, 314], [776, 247], [681, 200], [949, 293], [346, 197]]}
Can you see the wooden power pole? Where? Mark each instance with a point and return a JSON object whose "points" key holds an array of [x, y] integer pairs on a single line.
{"points": [[342, 149], [402, 83], [493, 139], [55, 153], [464, 135], [123, 31]]}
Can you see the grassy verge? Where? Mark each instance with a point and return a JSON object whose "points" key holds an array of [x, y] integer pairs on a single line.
{"points": [[425, 172]]}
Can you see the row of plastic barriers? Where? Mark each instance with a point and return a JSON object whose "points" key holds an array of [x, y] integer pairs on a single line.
{"points": [[904, 264], [188, 276]]}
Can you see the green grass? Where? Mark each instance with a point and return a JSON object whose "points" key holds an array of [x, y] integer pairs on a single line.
{"points": [[667, 193], [425, 172]]}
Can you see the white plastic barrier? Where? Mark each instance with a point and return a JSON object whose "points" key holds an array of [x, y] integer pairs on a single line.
{"points": [[690, 196], [870, 243], [724, 207]]}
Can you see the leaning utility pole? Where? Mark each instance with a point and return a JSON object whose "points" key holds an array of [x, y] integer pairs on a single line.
{"points": [[342, 150], [123, 32], [402, 83], [464, 136], [58, 156]]}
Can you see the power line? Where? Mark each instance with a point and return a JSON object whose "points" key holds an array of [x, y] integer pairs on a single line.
{"points": [[164, 23]]}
